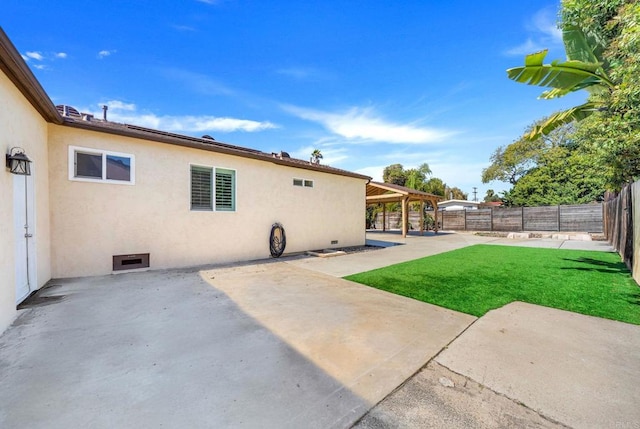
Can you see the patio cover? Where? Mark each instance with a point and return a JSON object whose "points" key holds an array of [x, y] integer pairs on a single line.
{"points": [[383, 193]]}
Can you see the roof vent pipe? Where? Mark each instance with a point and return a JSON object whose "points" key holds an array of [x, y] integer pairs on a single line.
{"points": [[104, 112]]}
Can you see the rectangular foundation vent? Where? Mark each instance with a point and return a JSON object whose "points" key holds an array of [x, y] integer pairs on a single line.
{"points": [[130, 262]]}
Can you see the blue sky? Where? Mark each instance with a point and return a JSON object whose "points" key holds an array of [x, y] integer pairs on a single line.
{"points": [[369, 83]]}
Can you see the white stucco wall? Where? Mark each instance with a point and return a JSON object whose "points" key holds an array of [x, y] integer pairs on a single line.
{"points": [[21, 126], [91, 222]]}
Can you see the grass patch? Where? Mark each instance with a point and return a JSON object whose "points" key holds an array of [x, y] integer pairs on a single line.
{"points": [[480, 278]]}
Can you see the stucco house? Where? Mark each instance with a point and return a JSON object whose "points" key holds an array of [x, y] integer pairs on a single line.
{"points": [[102, 196]]}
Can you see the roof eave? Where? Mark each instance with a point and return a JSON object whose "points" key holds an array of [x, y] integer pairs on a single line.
{"points": [[16, 69], [208, 147]]}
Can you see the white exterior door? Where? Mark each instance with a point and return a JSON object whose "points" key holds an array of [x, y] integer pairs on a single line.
{"points": [[24, 225]]}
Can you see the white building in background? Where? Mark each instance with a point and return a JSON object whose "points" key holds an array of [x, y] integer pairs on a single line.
{"points": [[449, 205]]}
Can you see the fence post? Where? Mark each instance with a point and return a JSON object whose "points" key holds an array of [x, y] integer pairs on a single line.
{"points": [[522, 218], [491, 226], [559, 228], [384, 217], [465, 219]]}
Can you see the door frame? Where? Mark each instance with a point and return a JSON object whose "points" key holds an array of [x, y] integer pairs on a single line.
{"points": [[24, 230]]}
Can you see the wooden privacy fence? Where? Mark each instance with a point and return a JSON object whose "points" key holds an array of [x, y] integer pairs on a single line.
{"points": [[622, 226], [583, 218], [570, 218]]}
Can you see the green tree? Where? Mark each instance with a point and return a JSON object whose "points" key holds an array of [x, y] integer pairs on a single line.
{"points": [[394, 174], [491, 196], [510, 163], [434, 186], [582, 70], [455, 193], [416, 177], [602, 44], [614, 131], [564, 174], [553, 169]]}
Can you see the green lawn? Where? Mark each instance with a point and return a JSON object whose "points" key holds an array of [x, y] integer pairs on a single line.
{"points": [[480, 278]]}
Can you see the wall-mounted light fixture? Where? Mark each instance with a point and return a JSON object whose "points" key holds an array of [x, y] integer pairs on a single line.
{"points": [[18, 162]]}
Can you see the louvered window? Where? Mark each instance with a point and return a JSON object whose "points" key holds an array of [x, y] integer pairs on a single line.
{"points": [[225, 190], [201, 188], [204, 190]]}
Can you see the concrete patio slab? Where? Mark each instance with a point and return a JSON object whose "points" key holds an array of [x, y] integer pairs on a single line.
{"points": [[578, 370], [368, 340], [256, 346]]}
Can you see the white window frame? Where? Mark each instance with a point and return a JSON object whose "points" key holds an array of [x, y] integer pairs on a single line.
{"points": [[104, 153], [213, 188], [303, 183]]}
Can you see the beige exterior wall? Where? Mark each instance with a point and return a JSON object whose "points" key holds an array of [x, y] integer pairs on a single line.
{"points": [[91, 222], [21, 126]]}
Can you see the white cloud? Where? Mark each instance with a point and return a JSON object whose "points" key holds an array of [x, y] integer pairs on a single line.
{"points": [[119, 105], [199, 83], [544, 22], [364, 125], [374, 172], [193, 124], [105, 53], [39, 66], [542, 31], [297, 73], [39, 56], [127, 113], [35, 55], [528, 47], [183, 27], [302, 73], [209, 1]]}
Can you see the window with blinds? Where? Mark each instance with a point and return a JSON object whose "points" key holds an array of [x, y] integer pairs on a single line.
{"points": [[201, 188], [225, 190], [205, 190]]}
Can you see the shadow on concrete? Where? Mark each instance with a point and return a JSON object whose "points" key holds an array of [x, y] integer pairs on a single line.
{"points": [[158, 349]]}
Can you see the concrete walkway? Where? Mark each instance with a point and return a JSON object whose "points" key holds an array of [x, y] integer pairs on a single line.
{"points": [[524, 365], [578, 370], [414, 246], [406, 249]]}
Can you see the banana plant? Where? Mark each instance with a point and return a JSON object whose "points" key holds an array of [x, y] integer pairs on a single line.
{"points": [[583, 70]]}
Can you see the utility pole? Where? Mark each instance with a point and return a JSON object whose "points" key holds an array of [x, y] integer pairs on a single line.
{"points": [[475, 194]]}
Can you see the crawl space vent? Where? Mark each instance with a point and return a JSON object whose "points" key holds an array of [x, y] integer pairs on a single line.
{"points": [[130, 262]]}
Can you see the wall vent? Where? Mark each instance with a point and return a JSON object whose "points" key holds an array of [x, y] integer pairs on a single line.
{"points": [[130, 262]]}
